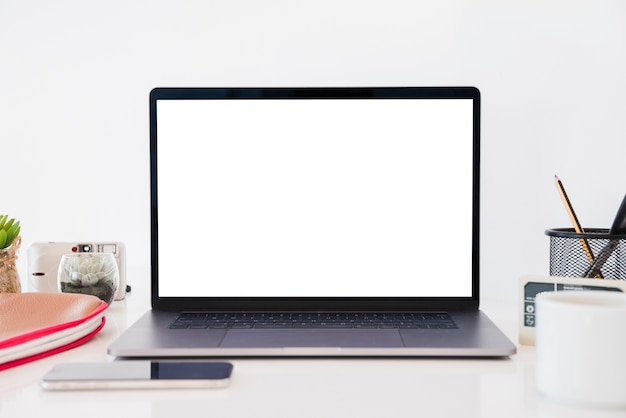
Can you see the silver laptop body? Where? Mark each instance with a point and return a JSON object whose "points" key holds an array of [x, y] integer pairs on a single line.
{"points": [[314, 222]]}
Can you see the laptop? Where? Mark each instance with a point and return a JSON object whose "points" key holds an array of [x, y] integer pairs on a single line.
{"points": [[314, 222]]}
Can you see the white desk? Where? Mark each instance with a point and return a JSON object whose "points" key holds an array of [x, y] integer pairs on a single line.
{"points": [[302, 388]]}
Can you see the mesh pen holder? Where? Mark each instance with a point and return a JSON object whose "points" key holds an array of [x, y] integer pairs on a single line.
{"points": [[571, 253]]}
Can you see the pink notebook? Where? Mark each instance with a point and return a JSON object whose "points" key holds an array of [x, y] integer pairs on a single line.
{"points": [[37, 325]]}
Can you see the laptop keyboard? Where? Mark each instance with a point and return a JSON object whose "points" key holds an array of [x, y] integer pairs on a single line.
{"points": [[204, 320]]}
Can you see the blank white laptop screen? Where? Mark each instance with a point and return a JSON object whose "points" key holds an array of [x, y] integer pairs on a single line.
{"points": [[315, 198]]}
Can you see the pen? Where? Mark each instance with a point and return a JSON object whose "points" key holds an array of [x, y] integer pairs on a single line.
{"points": [[619, 223], [577, 227], [618, 228]]}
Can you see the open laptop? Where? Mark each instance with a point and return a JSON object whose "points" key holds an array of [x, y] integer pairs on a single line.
{"points": [[314, 222]]}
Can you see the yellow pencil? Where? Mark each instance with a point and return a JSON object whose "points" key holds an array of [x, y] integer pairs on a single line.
{"points": [[577, 227]]}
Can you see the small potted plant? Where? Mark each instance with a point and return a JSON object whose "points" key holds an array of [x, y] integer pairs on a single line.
{"points": [[89, 273], [10, 241]]}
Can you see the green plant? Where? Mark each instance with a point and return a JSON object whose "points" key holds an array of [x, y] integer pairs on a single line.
{"points": [[9, 230], [91, 274]]}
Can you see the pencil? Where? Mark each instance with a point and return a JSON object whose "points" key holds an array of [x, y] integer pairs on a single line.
{"points": [[577, 227]]}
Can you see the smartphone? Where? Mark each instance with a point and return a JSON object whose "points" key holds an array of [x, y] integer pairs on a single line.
{"points": [[138, 374]]}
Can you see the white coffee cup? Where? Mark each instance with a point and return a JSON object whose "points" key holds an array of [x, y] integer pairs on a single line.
{"points": [[580, 347]]}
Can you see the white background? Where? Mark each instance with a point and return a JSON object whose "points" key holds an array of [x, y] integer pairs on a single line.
{"points": [[75, 77]]}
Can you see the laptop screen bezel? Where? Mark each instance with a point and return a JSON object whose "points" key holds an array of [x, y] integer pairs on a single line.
{"points": [[307, 303]]}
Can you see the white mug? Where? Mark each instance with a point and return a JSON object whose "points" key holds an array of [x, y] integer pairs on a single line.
{"points": [[581, 347]]}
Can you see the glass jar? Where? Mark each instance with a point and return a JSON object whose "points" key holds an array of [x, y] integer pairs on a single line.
{"points": [[89, 273]]}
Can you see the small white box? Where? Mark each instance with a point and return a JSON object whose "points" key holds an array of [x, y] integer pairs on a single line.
{"points": [[530, 286]]}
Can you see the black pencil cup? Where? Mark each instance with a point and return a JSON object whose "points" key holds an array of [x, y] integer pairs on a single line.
{"points": [[571, 253]]}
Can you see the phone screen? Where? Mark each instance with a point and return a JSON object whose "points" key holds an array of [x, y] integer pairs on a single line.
{"points": [[172, 370]]}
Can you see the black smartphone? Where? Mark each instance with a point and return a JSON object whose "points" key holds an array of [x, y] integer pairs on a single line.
{"points": [[138, 374]]}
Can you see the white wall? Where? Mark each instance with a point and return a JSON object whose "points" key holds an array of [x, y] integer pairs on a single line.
{"points": [[75, 77]]}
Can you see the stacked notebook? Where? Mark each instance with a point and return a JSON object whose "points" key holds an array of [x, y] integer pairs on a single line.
{"points": [[37, 325]]}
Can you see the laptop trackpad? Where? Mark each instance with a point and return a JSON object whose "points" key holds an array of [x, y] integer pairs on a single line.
{"points": [[312, 338]]}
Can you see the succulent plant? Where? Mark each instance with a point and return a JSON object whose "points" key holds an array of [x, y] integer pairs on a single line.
{"points": [[9, 230], [91, 269], [92, 274]]}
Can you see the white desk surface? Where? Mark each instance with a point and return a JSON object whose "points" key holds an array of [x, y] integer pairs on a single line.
{"points": [[302, 387]]}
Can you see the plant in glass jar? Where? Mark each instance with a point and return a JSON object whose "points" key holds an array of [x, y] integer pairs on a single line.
{"points": [[89, 273], [10, 241]]}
